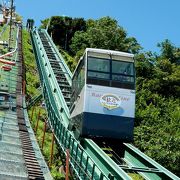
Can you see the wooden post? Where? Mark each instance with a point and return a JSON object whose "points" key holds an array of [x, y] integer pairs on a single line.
{"points": [[44, 133], [52, 149], [32, 113], [67, 164], [38, 117]]}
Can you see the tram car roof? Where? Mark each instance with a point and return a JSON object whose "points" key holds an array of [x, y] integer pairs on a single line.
{"points": [[121, 54]]}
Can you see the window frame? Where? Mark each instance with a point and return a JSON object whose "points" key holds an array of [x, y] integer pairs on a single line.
{"points": [[111, 82], [122, 73]]}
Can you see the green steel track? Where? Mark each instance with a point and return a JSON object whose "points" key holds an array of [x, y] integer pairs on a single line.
{"points": [[89, 159]]}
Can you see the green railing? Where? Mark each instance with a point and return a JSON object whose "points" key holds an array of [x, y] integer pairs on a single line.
{"points": [[83, 166]]}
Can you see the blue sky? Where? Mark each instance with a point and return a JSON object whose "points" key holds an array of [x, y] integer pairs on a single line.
{"points": [[149, 21]]}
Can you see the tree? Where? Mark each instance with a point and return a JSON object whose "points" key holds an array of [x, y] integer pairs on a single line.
{"points": [[169, 51], [157, 106], [104, 33], [44, 23], [62, 29]]}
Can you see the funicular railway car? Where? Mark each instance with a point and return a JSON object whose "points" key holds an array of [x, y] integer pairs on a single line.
{"points": [[103, 95]]}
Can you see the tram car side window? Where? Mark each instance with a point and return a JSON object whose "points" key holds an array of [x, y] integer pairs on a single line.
{"points": [[78, 81], [103, 95], [123, 74], [98, 71]]}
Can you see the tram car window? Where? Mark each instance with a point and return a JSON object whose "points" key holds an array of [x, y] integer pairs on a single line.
{"points": [[103, 95]]}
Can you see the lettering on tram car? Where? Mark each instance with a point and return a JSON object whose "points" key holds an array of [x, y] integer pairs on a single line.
{"points": [[122, 98], [110, 101]]}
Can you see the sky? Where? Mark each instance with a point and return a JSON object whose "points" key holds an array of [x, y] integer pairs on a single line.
{"points": [[149, 21]]}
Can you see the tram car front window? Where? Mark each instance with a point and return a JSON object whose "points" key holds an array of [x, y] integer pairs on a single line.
{"points": [[103, 95]]}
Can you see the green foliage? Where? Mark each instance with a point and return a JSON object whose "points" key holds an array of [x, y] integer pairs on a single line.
{"points": [[135, 176], [18, 17], [157, 130], [5, 35], [44, 23], [62, 29], [56, 175], [169, 51], [74, 35], [68, 59], [32, 79], [104, 33], [144, 67]]}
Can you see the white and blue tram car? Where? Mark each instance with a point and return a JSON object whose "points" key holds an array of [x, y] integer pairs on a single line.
{"points": [[103, 95]]}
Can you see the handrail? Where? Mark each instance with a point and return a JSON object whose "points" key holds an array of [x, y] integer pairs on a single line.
{"points": [[58, 96]]}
